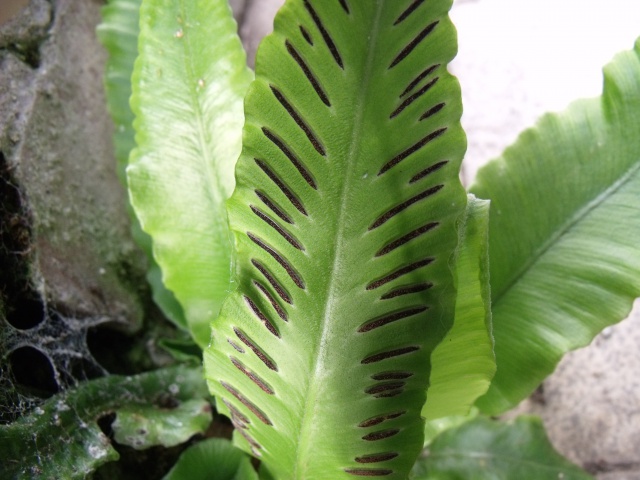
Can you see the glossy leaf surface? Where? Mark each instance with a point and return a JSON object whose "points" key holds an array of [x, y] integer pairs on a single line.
{"points": [[344, 219], [485, 449], [188, 85], [463, 364], [565, 225], [118, 32]]}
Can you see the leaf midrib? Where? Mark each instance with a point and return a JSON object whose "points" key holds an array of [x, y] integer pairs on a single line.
{"points": [[565, 228], [306, 434]]}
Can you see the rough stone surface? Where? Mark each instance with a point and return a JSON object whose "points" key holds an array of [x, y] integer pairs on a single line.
{"points": [[55, 137], [67, 261]]}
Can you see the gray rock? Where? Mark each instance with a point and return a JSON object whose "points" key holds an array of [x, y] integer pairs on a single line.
{"points": [[59, 149]]}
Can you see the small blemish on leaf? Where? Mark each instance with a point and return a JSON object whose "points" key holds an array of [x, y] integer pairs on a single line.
{"points": [[179, 33]]}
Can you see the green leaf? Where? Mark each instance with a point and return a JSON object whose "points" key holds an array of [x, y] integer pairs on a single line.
{"points": [[565, 225], [118, 32], [144, 426], [214, 458], [485, 449], [188, 85], [344, 218], [464, 363], [433, 428], [61, 438]]}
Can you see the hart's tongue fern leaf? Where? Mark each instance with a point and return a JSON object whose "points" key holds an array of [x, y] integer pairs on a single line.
{"points": [[344, 223]]}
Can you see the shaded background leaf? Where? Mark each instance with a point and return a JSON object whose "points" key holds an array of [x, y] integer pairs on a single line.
{"points": [[563, 233], [144, 426], [61, 438], [214, 458], [484, 449]]}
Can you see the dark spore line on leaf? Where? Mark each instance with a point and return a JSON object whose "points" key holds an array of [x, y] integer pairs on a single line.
{"points": [[420, 287], [404, 205], [278, 142], [412, 149], [365, 472], [378, 357], [325, 35], [274, 207], [412, 8], [278, 258], [399, 273], [379, 322], [252, 376], [237, 347], [279, 310], [380, 435], [272, 281], [254, 347], [413, 44], [392, 375], [433, 168], [261, 316], [305, 34], [280, 184], [286, 235], [412, 98], [419, 78], [384, 387], [393, 393], [345, 5], [237, 417], [308, 73], [406, 238], [247, 403], [377, 420], [376, 457], [298, 119], [432, 111]]}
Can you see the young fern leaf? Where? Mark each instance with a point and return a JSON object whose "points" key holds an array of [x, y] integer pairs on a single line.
{"points": [[344, 218], [187, 98]]}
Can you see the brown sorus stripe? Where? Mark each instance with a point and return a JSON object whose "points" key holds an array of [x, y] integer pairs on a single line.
{"points": [[278, 258], [376, 457], [263, 318], [380, 435], [380, 418], [406, 238], [261, 355], [286, 235], [404, 53], [410, 9], [272, 281], [389, 354], [399, 273], [247, 403], [252, 376]]}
